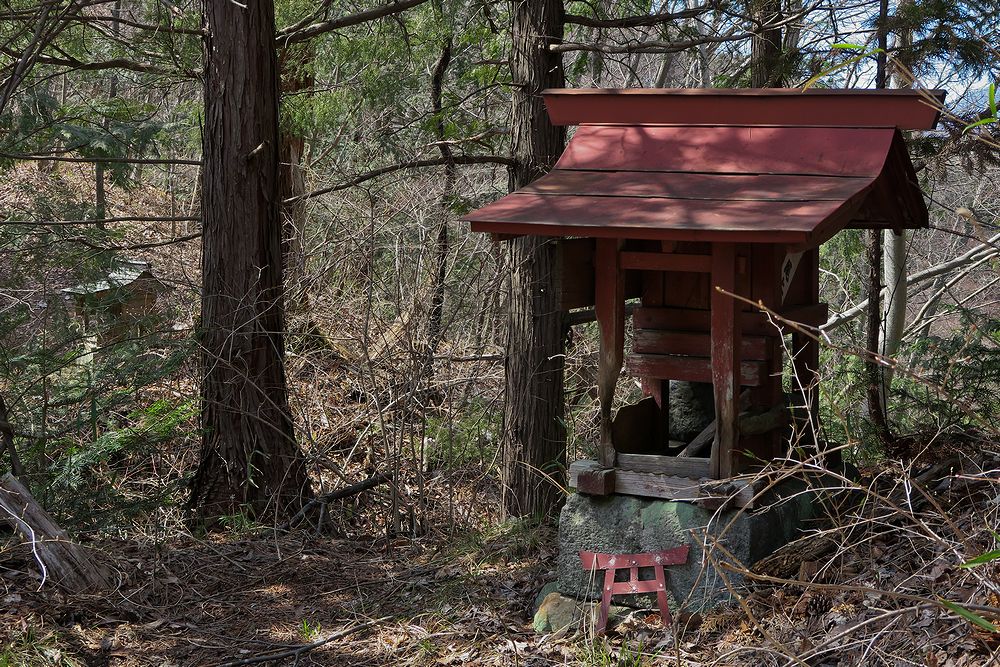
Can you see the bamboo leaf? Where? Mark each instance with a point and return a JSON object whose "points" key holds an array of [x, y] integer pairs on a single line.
{"points": [[975, 619], [984, 121], [987, 557]]}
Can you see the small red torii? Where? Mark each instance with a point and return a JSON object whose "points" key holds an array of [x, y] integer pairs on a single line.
{"points": [[611, 563]]}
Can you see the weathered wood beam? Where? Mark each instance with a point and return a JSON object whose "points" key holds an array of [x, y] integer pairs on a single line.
{"points": [[665, 465], [690, 369], [693, 344], [754, 323], [609, 292], [658, 261], [726, 335], [704, 492]]}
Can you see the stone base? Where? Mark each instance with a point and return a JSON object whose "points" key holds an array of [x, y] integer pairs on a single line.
{"points": [[629, 524]]}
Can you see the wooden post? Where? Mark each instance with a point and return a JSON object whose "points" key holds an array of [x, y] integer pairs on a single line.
{"points": [[609, 293], [806, 351], [726, 341], [765, 267]]}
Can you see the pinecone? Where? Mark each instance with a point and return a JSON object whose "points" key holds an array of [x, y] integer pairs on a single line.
{"points": [[812, 604]]}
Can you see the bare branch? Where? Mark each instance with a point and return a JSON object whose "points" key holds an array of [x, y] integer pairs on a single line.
{"points": [[114, 63], [660, 46], [650, 46], [99, 221], [415, 164], [637, 21], [59, 158], [291, 35]]}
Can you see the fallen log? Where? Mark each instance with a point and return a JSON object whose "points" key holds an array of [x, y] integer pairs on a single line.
{"points": [[66, 563]]}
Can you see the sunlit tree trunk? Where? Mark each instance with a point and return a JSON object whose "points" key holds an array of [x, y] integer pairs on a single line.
{"points": [[894, 261]]}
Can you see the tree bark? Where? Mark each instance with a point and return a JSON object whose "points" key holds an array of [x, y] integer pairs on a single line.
{"points": [[534, 429], [249, 459], [894, 277], [765, 47], [442, 244]]}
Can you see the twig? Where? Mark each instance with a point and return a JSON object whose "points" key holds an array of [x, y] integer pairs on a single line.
{"points": [[412, 164], [305, 648]]}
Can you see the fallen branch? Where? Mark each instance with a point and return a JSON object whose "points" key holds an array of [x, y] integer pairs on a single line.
{"points": [[703, 441], [305, 648], [345, 492]]}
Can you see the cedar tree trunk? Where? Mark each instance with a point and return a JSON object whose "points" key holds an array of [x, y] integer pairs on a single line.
{"points": [[765, 46], [249, 459], [534, 430]]}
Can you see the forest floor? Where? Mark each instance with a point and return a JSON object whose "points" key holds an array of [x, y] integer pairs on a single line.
{"points": [[254, 596]]}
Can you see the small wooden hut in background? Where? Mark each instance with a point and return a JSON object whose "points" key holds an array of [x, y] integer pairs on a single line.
{"points": [[700, 204], [110, 308]]}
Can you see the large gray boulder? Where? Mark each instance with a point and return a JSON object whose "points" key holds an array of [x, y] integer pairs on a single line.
{"points": [[692, 408]]}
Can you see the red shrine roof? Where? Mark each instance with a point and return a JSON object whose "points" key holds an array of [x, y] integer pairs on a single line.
{"points": [[775, 166]]}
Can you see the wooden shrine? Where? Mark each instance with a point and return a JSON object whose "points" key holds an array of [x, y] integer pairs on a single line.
{"points": [[687, 209]]}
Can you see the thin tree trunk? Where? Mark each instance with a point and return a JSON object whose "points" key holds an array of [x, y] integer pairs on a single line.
{"points": [[894, 264], [876, 402], [297, 77], [534, 430], [704, 57], [7, 440], [894, 317], [101, 202], [435, 326], [249, 459]]}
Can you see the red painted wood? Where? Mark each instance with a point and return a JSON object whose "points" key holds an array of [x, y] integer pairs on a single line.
{"points": [[609, 292], [754, 323], [576, 257], [726, 367], [691, 344], [596, 482], [611, 563], [906, 109], [599, 561], [653, 285], [728, 187], [666, 261], [646, 218], [688, 369], [733, 150]]}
